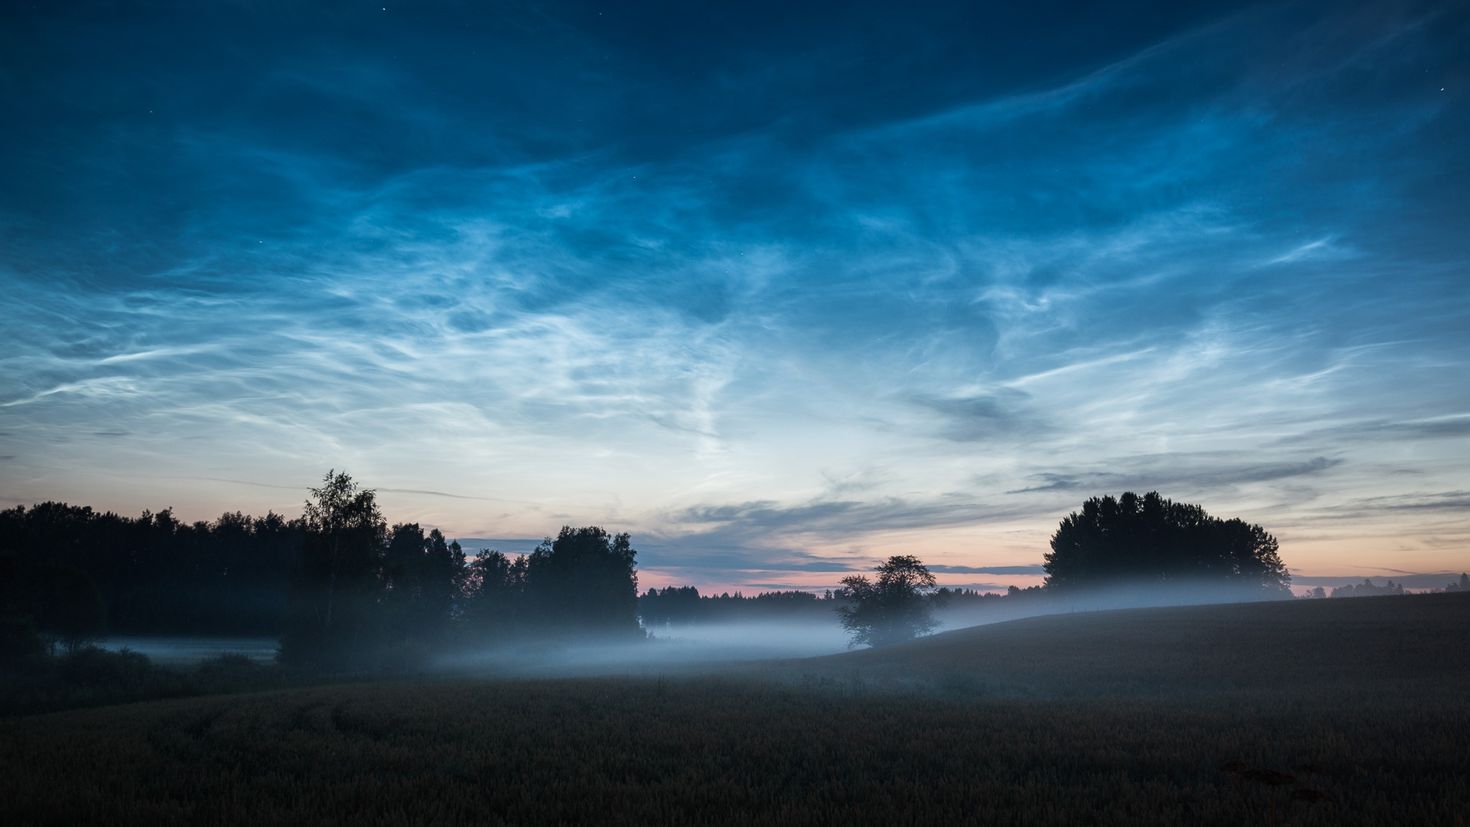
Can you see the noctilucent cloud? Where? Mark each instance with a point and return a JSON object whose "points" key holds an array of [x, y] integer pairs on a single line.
{"points": [[779, 288]]}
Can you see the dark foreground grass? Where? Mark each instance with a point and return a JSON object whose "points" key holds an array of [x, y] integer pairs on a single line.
{"points": [[702, 750], [769, 749]]}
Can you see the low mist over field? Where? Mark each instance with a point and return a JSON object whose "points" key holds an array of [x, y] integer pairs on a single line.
{"points": [[673, 649], [706, 645]]}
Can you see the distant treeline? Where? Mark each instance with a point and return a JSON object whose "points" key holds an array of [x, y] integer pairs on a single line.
{"points": [[677, 605], [339, 581], [1368, 588]]}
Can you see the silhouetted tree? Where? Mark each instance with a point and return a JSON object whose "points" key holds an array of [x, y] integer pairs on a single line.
{"points": [[445, 576], [338, 582], [57, 599], [495, 596], [895, 608], [423, 580], [584, 583], [73, 609], [672, 604], [1152, 539], [245, 566]]}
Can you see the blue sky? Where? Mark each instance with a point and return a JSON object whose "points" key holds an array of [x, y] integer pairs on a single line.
{"points": [[778, 289]]}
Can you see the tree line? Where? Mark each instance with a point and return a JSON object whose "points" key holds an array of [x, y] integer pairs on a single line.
{"points": [[339, 586], [61, 564], [340, 581], [365, 590]]}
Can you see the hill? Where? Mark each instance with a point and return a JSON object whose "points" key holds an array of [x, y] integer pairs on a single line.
{"points": [[1362, 645]]}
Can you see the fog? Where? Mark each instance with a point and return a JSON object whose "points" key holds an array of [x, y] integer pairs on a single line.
{"points": [[668, 649], [966, 612], [185, 651], [707, 646]]}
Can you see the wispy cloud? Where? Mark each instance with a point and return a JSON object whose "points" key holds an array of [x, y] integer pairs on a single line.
{"points": [[1001, 415], [844, 518], [1454, 501], [1161, 472], [1321, 249]]}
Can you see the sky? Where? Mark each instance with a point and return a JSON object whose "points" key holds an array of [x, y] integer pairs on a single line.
{"points": [[779, 288]]}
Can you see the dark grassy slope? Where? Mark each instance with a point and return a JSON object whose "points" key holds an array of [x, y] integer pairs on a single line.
{"points": [[738, 749], [1363, 645]]}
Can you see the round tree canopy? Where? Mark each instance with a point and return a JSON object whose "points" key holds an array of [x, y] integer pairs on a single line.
{"points": [[1152, 539]]}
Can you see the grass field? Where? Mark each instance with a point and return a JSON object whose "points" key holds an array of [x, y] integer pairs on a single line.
{"points": [[1310, 712]]}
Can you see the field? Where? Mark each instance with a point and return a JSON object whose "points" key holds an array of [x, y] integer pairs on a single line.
{"points": [[1371, 647], [1308, 712]]}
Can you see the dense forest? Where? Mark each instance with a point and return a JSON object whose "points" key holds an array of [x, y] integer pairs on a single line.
{"points": [[152, 573], [337, 584], [83, 572]]}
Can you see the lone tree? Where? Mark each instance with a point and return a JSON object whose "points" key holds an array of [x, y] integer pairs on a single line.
{"points": [[1152, 539], [892, 610]]}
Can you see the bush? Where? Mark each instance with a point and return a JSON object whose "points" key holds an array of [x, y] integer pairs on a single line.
{"points": [[120, 672], [86, 677]]}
